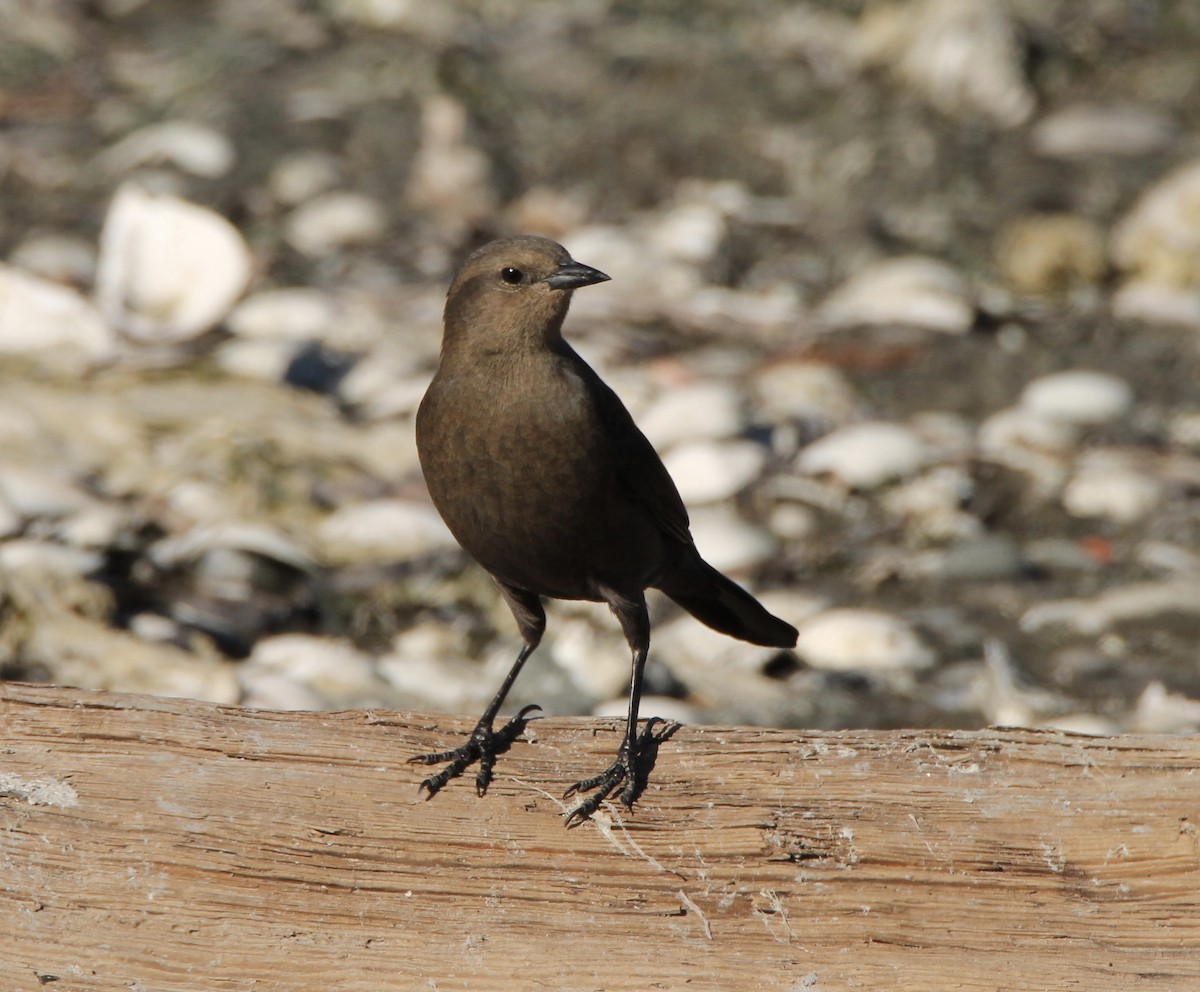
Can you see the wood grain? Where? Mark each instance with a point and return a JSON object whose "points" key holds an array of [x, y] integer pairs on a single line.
{"points": [[155, 844]]}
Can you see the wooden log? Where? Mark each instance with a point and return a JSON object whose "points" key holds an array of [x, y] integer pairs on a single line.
{"points": [[164, 844]]}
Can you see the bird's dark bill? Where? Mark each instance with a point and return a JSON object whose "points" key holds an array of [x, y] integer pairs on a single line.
{"points": [[572, 275]]}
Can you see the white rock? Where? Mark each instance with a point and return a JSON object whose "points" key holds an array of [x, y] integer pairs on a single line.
{"points": [[333, 670], [1155, 303], [1161, 712], [168, 269], [1112, 491], [1137, 601], [10, 521], [259, 539], [334, 221], [430, 662], [598, 663], [302, 176], [773, 308], [47, 559], [728, 542], [1078, 396], [663, 707], [1185, 428], [192, 147], [61, 258], [961, 55], [33, 494], [864, 456], [710, 471], [806, 391], [37, 315], [450, 178], [95, 526], [383, 530], [1020, 427], [1084, 130], [705, 410], [293, 314], [263, 359], [845, 640], [915, 290], [691, 232], [931, 503], [1159, 239]]}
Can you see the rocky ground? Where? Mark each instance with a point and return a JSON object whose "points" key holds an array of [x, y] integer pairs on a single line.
{"points": [[906, 293]]}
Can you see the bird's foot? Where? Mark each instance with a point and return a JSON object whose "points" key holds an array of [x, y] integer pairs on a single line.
{"points": [[629, 768], [483, 746]]}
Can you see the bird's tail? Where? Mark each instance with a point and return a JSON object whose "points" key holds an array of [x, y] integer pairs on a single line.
{"points": [[723, 605]]}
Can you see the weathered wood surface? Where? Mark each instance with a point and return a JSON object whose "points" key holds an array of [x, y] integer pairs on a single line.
{"points": [[169, 846]]}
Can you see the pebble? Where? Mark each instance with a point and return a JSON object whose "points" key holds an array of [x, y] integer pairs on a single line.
{"points": [[189, 146], [450, 180], [1159, 711], [662, 707], [847, 639], [65, 259], [1112, 491], [333, 221], [931, 504], [429, 663], [303, 176], [1010, 433], [266, 360], [1184, 429], [1086, 130], [1078, 396], [168, 269], [961, 55], [41, 316], [983, 558], [729, 543], [865, 456], [1045, 254], [1158, 240], [711, 471], [292, 314], [39, 494], [331, 671], [701, 411], [911, 290], [691, 232], [806, 391], [1134, 601], [1155, 303], [382, 530], [591, 652]]}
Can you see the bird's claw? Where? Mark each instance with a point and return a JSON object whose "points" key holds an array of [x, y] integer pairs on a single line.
{"points": [[483, 746], [604, 784]]}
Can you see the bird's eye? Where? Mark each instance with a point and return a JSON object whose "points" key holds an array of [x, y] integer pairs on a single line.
{"points": [[511, 276]]}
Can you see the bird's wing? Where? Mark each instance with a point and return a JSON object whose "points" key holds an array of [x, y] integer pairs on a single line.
{"points": [[641, 474]]}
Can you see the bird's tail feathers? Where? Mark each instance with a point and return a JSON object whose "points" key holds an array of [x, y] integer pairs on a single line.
{"points": [[723, 605]]}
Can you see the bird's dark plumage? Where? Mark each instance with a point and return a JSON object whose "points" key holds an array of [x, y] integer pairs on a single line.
{"points": [[541, 474]]}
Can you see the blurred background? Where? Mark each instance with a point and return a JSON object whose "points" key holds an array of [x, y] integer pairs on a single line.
{"points": [[906, 293]]}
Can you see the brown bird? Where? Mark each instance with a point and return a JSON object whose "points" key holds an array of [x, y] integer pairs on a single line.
{"points": [[542, 476]]}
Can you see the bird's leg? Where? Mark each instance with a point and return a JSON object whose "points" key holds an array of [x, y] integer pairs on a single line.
{"points": [[485, 744], [635, 622]]}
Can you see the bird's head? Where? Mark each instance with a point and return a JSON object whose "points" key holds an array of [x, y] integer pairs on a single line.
{"points": [[514, 292]]}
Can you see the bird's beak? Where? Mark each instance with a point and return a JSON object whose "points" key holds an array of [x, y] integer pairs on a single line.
{"points": [[572, 275]]}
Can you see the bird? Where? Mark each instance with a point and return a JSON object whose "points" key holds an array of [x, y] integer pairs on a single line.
{"points": [[542, 476]]}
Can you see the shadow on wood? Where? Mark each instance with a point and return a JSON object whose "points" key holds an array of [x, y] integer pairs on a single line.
{"points": [[165, 844]]}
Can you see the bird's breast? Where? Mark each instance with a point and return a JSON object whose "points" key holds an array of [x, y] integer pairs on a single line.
{"points": [[521, 470]]}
